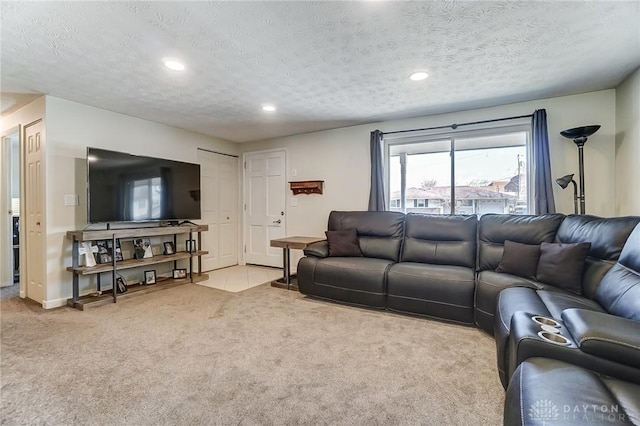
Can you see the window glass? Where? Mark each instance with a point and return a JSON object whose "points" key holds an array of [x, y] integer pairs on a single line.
{"points": [[489, 174]]}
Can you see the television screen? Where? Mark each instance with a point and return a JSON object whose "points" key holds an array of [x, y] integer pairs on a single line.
{"points": [[132, 188]]}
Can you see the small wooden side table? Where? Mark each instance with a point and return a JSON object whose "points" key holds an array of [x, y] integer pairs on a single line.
{"points": [[288, 243]]}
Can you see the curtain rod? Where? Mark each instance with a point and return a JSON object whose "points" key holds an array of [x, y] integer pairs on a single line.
{"points": [[455, 126]]}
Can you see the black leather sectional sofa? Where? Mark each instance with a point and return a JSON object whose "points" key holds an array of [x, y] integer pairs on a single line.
{"points": [[445, 267]]}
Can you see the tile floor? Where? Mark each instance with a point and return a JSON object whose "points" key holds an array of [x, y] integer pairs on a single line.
{"points": [[239, 278]]}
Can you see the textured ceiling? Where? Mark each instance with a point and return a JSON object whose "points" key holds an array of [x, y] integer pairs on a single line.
{"points": [[324, 64]]}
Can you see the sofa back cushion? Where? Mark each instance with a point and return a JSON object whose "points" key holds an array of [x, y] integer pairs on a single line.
{"points": [[607, 237], [495, 229], [440, 240], [379, 233], [619, 290]]}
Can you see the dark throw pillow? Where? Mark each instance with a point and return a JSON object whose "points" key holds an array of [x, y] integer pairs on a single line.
{"points": [[562, 265], [519, 259], [343, 243]]}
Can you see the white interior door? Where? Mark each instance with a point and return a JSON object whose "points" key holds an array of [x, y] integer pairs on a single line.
{"points": [[219, 189], [34, 213], [264, 189], [228, 211]]}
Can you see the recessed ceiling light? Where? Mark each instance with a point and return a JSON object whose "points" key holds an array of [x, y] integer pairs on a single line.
{"points": [[417, 76], [172, 64], [268, 108]]}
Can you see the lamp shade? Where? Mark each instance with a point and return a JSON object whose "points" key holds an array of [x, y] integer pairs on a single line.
{"points": [[580, 132], [564, 181]]}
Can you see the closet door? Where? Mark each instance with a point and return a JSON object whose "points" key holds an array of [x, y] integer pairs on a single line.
{"points": [[228, 213], [219, 192]]}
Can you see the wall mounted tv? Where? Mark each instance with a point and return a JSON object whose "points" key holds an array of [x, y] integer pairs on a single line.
{"points": [[132, 188]]}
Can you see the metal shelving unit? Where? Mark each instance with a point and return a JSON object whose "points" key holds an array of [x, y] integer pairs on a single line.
{"points": [[78, 237]]}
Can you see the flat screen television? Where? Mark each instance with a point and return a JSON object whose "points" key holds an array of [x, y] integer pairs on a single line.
{"points": [[132, 188]]}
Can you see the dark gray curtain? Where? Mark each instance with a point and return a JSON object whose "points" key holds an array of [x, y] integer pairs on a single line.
{"points": [[376, 196], [542, 183]]}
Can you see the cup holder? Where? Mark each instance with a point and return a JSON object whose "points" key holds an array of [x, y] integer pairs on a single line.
{"points": [[546, 321], [549, 329], [554, 338]]}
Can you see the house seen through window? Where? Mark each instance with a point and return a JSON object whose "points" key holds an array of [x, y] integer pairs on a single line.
{"points": [[460, 173]]}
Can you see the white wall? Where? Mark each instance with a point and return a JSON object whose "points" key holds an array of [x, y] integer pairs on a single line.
{"points": [[340, 157], [628, 146], [70, 128]]}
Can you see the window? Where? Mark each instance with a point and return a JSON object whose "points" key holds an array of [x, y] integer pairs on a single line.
{"points": [[482, 171]]}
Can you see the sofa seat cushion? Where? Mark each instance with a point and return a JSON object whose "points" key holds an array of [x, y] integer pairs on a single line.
{"points": [[547, 392], [537, 302], [441, 291], [557, 301], [489, 285], [356, 280]]}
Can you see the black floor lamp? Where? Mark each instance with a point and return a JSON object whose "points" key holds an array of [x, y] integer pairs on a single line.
{"points": [[579, 136], [563, 182]]}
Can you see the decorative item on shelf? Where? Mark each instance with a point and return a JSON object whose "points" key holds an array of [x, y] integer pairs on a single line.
{"points": [[121, 284], [168, 248], [87, 250], [191, 246], [104, 254], [118, 250], [180, 273], [563, 182], [307, 187], [142, 248], [149, 277], [579, 136]]}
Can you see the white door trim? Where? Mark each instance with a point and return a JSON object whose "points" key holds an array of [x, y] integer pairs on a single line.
{"points": [[244, 195], [6, 233]]}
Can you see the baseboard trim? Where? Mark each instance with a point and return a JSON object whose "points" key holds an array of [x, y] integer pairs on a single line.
{"points": [[55, 303]]}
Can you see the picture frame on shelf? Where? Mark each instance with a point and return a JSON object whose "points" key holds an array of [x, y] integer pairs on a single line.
{"points": [[117, 253], [150, 277], [191, 246], [104, 254], [169, 248], [142, 248], [180, 273]]}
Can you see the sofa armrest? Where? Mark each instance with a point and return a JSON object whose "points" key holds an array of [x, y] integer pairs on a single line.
{"points": [[604, 335], [319, 249]]}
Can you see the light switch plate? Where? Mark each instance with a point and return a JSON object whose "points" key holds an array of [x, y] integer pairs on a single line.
{"points": [[294, 202], [71, 200]]}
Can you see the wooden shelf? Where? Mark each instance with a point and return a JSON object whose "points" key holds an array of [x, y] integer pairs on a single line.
{"points": [[134, 263], [106, 297], [78, 237], [307, 187], [107, 234]]}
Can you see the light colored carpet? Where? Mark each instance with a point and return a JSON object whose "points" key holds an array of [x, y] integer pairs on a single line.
{"points": [[193, 355]]}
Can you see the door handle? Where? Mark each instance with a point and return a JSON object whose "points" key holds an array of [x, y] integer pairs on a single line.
{"points": [[277, 221]]}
